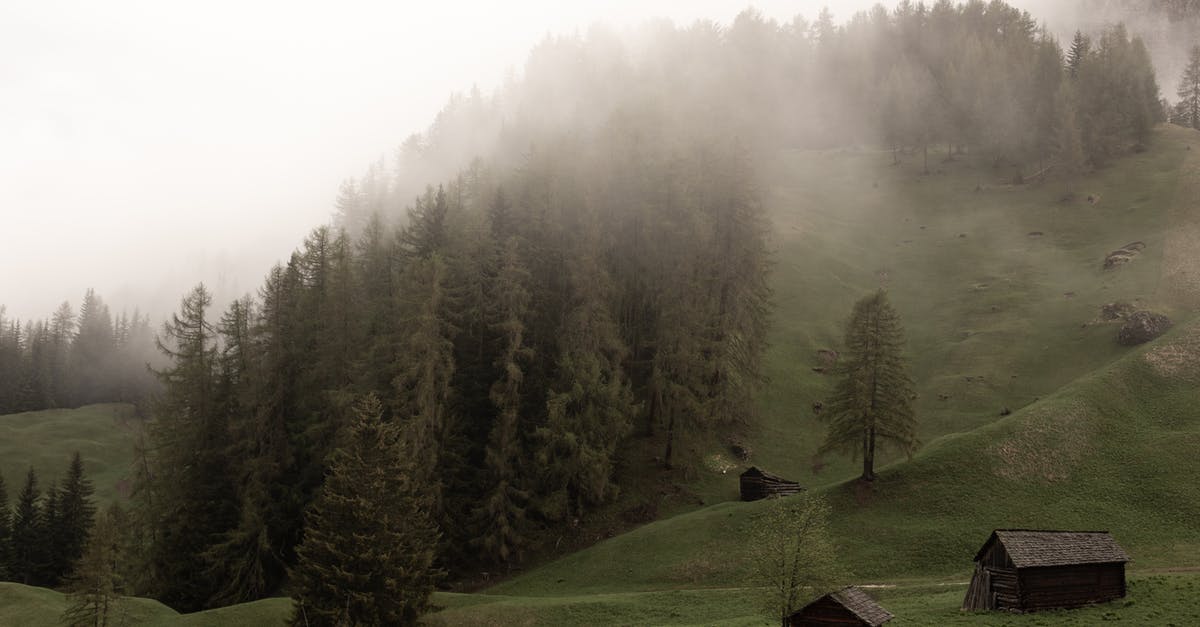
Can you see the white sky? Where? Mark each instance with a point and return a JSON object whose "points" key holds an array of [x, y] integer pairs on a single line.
{"points": [[147, 146]]}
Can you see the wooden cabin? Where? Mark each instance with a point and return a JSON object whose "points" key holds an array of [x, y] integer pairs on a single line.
{"points": [[1024, 570], [759, 484], [848, 606]]}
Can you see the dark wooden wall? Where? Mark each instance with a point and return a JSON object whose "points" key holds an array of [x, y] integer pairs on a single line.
{"points": [[1071, 586], [755, 488]]}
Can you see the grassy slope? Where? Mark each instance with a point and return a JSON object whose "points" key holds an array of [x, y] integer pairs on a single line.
{"points": [[992, 305], [1111, 448], [1114, 450], [36, 607], [103, 434]]}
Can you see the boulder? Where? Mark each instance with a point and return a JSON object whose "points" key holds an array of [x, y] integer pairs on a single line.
{"points": [[1141, 327]]}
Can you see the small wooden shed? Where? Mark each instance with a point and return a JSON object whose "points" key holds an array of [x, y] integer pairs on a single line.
{"points": [[759, 484], [1026, 570], [848, 606]]}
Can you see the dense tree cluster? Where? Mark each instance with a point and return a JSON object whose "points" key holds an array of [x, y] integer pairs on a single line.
{"points": [[71, 360], [521, 331], [44, 535]]}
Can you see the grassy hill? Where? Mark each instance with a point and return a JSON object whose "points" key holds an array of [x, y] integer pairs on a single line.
{"points": [[999, 287], [103, 435], [994, 283]]}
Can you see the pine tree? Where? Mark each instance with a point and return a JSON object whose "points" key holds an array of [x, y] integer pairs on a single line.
{"points": [[1189, 91], [187, 498], [28, 551], [76, 514], [871, 404], [95, 587], [368, 549], [503, 511]]}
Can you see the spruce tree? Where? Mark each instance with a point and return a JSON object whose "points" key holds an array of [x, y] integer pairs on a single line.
{"points": [[6, 572], [28, 551], [1189, 91], [76, 514], [871, 404], [369, 542]]}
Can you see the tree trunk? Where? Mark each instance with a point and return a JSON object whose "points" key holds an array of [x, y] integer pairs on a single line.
{"points": [[925, 150]]}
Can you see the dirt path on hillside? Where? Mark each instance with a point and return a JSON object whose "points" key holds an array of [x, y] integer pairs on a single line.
{"points": [[1181, 256]]}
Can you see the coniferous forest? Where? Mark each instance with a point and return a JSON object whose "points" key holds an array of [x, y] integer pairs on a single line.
{"points": [[539, 300], [557, 291]]}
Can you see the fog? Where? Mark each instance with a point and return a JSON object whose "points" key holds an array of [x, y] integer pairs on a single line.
{"points": [[144, 148]]}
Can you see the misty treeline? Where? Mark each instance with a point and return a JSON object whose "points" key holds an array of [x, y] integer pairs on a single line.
{"points": [[529, 333], [45, 533], [583, 298], [70, 360], [977, 76]]}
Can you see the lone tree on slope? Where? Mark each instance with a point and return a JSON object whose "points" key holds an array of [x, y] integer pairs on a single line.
{"points": [[871, 403]]}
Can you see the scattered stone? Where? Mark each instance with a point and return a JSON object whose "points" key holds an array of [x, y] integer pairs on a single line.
{"points": [[818, 369], [922, 227], [1069, 294], [1123, 255], [1118, 310], [1004, 411], [943, 397], [962, 234], [817, 407], [1036, 234], [1141, 327], [827, 356], [1093, 199]]}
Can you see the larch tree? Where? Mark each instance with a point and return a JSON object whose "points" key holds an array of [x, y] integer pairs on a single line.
{"points": [[369, 540], [95, 588], [590, 405], [871, 404]]}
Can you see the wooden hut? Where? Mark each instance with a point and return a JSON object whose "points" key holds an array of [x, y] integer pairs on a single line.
{"points": [[1024, 570], [848, 606], [759, 484]]}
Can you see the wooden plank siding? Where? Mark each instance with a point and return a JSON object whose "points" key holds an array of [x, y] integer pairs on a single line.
{"points": [[825, 611], [757, 484], [1046, 570], [1070, 586]]}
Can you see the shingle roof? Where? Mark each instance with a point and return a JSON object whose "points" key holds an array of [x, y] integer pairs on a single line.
{"points": [[861, 605], [1030, 548], [755, 471]]}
